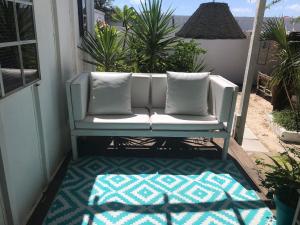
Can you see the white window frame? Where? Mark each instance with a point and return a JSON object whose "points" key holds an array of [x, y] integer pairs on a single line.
{"points": [[19, 43]]}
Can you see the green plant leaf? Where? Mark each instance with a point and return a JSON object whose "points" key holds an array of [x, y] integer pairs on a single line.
{"points": [[104, 48], [152, 36]]}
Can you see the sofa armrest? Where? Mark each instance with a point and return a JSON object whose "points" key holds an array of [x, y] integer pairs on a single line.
{"points": [[78, 94], [222, 98]]}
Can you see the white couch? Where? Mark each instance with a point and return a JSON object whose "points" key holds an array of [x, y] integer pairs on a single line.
{"points": [[148, 119]]}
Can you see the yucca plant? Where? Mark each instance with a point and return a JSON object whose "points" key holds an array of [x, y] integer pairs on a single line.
{"points": [[104, 47], [126, 16], [152, 36]]}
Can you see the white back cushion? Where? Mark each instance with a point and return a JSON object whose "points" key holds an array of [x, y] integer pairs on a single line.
{"points": [[158, 90], [140, 90], [218, 103], [140, 93]]}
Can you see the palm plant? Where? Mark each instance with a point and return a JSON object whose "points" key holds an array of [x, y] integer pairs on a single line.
{"points": [[104, 48], [126, 16], [286, 73], [152, 36]]}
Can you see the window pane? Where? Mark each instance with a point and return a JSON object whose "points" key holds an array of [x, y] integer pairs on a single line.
{"points": [[30, 62], [25, 21], [84, 6], [7, 22], [84, 14], [10, 68]]}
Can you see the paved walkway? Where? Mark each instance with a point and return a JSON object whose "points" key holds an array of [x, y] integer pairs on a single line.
{"points": [[251, 142]]}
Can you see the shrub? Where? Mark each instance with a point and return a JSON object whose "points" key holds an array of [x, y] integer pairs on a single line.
{"points": [[186, 57], [282, 175], [287, 119]]}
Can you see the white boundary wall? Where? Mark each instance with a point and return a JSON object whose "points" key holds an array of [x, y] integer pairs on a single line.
{"points": [[226, 57]]}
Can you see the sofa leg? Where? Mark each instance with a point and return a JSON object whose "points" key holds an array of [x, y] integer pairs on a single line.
{"points": [[74, 147], [225, 148]]}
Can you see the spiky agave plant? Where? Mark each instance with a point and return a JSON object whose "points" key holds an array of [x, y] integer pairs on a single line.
{"points": [[152, 36]]}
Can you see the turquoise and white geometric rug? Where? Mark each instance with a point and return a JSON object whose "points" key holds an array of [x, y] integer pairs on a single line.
{"points": [[138, 191]]}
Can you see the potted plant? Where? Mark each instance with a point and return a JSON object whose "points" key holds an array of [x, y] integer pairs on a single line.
{"points": [[282, 178]]}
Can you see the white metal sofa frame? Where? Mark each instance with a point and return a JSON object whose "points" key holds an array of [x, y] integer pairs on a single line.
{"points": [[222, 96]]}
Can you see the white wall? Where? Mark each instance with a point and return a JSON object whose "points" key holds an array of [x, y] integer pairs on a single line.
{"points": [[58, 38], [53, 98], [227, 57]]}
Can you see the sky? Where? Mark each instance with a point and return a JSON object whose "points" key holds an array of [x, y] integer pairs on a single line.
{"points": [[238, 7]]}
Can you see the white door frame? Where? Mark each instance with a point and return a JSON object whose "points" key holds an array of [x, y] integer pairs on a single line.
{"points": [[5, 206]]}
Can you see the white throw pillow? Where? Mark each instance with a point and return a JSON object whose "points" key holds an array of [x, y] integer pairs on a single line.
{"points": [[187, 93], [110, 93]]}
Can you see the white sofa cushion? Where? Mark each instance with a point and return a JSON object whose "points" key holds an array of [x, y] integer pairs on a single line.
{"points": [[162, 121], [187, 93], [158, 90], [139, 120], [140, 90], [110, 93]]}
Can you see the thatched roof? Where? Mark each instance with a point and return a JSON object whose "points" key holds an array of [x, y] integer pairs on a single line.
{"points": [[212, 21]]}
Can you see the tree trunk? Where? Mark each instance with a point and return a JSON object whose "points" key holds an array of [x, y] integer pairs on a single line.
{"points": [[279, 98]]}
